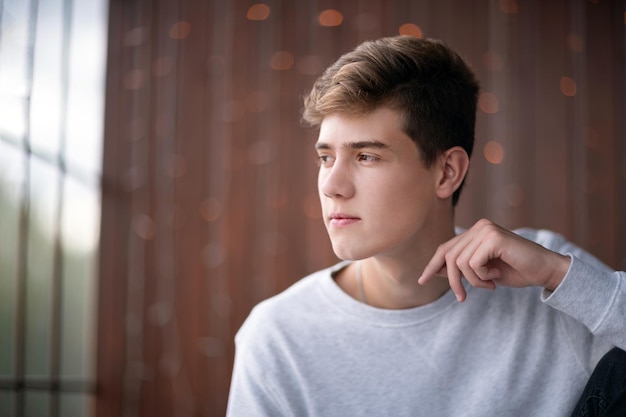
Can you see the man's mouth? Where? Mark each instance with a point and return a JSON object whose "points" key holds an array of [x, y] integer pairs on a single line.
{"points": [[341, 219]]}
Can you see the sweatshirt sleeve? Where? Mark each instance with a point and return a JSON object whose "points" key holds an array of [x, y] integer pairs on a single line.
{"points": [[595, 297], [251, 392], [249, 395], [591, 292]]}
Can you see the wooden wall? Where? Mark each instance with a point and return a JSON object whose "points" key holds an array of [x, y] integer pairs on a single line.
{"points": [[209, 198]]}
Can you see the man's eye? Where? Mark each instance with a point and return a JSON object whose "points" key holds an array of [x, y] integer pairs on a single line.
{"points": [[324, 160], [368, 158]]}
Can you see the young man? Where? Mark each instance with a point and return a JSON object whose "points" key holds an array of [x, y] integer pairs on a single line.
{"points": [[418, 320]]}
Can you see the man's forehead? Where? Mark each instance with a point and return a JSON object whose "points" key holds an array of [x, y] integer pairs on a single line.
{"points": [[349, 133]]}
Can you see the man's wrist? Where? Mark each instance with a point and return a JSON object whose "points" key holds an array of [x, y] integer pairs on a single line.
{"points": [[559, 270]]}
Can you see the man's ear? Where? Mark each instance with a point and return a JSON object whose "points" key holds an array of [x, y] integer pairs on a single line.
{"points": [[452, 165]]}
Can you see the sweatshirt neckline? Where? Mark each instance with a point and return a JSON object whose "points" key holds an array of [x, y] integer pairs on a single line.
{"points": [[375, 316]]}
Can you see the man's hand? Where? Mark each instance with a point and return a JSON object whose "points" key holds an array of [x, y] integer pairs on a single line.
{"points": [[487, 255]]}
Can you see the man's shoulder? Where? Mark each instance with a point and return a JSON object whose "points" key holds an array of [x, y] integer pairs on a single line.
{"points": [[557, 242], [291, 307], [544, 237], [300, 291], [547, 238]]}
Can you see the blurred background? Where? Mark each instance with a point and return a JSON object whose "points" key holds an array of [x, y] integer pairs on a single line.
{"points": [[156, 183]]}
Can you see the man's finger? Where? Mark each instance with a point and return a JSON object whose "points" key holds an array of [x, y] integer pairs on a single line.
{"points": [[455, 278], [435, 267]]}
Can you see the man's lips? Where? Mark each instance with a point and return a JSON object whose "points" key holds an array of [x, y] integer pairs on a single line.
{"points": [[340, 219]]}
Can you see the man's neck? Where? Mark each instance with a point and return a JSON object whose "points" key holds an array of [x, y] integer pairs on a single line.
{"points": [[390, 281], [395, 286]]}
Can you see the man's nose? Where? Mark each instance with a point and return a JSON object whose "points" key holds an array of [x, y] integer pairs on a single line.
{"points": [[336, 181]]}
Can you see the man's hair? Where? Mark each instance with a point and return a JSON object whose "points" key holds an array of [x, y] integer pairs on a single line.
{"points": [[423, 79]]}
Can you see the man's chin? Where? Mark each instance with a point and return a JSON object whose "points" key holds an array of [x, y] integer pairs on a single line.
{"points": [[349, 254]]}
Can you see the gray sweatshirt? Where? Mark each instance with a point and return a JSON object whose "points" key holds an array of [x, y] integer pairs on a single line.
{"points": [[315, 351]]}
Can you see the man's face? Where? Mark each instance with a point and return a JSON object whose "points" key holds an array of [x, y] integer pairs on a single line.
{"points": [[377, 196]]}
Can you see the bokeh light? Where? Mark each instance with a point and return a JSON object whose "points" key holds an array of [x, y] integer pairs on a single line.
{"points": [[493, 152], [258, 11], [162, 66], [135, 37], [509, 6], [281, 60], [488, 103], [330, 18], [568, 87], [210, 209], [514, 195], [411, 29], [492, 61], [575, 43], [144, 226], [134, 79], [180, 30]]}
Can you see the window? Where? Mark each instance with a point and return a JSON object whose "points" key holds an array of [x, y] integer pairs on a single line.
{"points": [[52, 64]]}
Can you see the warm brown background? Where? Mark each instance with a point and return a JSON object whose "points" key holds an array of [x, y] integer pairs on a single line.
{"points": [[209, 199]]}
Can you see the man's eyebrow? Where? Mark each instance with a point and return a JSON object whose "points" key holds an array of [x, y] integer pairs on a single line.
{"points": [[356, 145], [366, 144]]}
